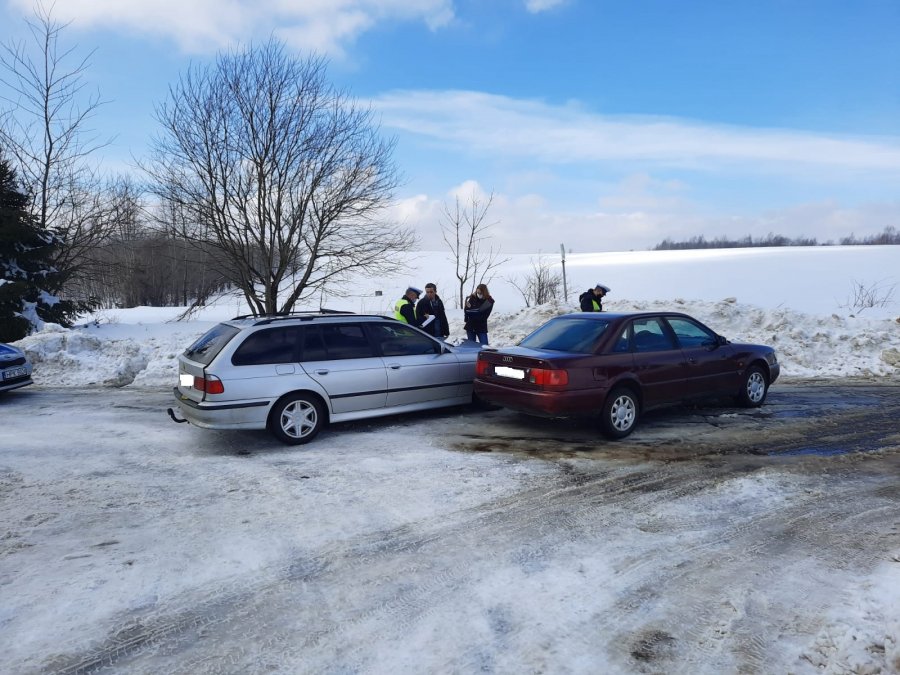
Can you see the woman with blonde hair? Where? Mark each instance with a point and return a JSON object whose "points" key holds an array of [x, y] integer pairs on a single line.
{"points": [[478, 309]]}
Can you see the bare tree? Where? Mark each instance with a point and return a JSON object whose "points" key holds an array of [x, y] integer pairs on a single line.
{"points": [[541, 285], [44, 128], [283, 175], [465, 231]]}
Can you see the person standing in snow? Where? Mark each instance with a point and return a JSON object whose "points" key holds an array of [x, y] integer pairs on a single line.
{"points": [[405, 307], [592, 299], [432, 305], [478, 309]]}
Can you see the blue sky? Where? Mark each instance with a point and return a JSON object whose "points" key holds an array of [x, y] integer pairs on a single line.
{"points": [[601, 125]]}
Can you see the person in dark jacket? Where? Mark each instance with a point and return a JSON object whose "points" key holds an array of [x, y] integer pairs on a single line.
{"points": [[592, 299], [405, 307], [478, 309], [432, 305]]}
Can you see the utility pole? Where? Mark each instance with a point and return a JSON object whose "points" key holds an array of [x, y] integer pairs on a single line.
{"points": [[562, 251]]}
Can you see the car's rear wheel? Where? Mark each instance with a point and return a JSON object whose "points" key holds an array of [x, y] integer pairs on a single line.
{"points": [[754, 388], [619, 414], [297, 419]]}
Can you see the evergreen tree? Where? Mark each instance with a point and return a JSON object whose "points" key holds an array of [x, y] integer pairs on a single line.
{"points": [[25, 267]]}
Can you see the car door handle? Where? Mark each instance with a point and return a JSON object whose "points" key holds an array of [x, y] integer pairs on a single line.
{"points": [[394, 366], [323, 371]]}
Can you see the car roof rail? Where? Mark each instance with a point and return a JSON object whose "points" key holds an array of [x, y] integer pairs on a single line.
{"points": [[287, 315], [305, 315]]}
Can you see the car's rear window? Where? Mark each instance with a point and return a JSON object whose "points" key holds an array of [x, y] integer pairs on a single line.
{"points": [[579, 336], [204, 350], [270, 345]]}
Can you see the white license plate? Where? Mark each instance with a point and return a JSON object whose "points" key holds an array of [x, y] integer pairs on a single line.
{"points": [[514, 373], [186, 380], [14, 372]]}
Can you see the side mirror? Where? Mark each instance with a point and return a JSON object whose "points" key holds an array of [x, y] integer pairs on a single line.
{"points": [[715, 343]]}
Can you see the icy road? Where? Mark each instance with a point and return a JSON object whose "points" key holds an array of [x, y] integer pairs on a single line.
{"points": [[714, 540]]}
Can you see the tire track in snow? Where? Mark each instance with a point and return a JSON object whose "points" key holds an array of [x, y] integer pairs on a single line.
{"points": [[405, 574]]}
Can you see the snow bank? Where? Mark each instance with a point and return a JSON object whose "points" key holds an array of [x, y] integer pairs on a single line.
{"points": [[121, 354]]}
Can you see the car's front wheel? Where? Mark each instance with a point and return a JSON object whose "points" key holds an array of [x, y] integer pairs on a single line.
{"points": [[297, 419], [754, 388], [619, 414]]}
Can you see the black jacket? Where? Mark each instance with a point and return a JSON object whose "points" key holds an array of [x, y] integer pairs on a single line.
{"points": [[587, 300], [477, 312], [440, 327]]}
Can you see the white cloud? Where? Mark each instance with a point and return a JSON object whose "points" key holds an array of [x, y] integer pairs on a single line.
{"points": [[201, 26], [492, 125], [536, 6], [467, 190], [829, 220], [634, 214], [564, 174], [644, 192]]}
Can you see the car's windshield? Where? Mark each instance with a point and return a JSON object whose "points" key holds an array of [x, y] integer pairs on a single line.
{"points": [[570, 335], [204, 350]]}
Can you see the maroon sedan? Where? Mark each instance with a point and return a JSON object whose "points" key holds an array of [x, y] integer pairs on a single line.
{"points": [[617, 365]]}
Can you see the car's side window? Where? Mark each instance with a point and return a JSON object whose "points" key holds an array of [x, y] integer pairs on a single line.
{"points": [[271, 345], [400, 340], [650, 336], [312, 345], [346, 341], [621, 345], [690, 333]]}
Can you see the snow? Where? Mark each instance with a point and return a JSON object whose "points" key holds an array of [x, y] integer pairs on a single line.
{"points": [[795, 299], [215, 511]]}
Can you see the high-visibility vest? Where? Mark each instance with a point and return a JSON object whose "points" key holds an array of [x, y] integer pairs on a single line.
{"points": [[596, 304], [397, 306]]}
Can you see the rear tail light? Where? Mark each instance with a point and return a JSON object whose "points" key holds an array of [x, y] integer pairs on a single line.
{"points": [[482, 367], [211, 384], [548, 378], [543, 377]]}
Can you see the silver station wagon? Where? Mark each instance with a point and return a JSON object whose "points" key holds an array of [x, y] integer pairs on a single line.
{"points": [[294, 374]]}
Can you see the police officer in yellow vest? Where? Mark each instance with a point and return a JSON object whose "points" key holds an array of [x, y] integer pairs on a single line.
{"points": [[405, 307], [592, 299]]}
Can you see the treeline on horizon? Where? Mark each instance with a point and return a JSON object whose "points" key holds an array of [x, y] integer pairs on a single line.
{"points": [[889, 236]]}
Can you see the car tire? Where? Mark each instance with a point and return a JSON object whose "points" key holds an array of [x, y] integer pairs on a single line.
{"points": [[297, 419], [754, 388], [619, 414]]}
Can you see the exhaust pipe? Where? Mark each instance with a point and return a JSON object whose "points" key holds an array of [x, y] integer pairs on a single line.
{"points": [[172, 415]]}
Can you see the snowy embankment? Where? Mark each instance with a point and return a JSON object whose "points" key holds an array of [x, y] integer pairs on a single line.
{"points": [[143, 352], [799, 300]]}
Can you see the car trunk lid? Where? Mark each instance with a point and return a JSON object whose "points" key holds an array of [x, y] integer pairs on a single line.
{"points": [[518, 366]]}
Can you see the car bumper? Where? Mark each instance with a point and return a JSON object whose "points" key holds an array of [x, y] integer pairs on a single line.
{"points": [[16, 383], [539, 402], [774, 372], [230, 415]]}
